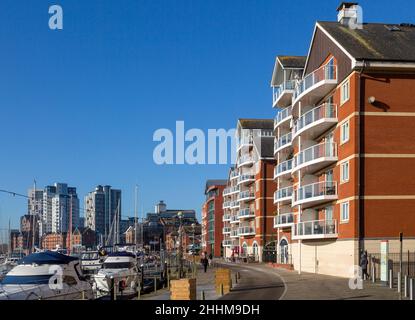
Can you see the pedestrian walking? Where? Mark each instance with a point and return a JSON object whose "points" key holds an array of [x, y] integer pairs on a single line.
{"points": [[205, 263], [210, 259], [363, 265]]}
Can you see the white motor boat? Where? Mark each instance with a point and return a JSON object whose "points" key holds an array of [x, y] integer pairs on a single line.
{"points": [[119, 270], [8, 264], [46, 276], [91, 262]]}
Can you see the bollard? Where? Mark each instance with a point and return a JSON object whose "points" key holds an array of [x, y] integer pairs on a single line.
{"points": [[221, 289], [236, 278], [373, 275], [168, 280], [139, 291], [405, 289], [202, 295], [391, 278], [239, 275], [399, 282], [83, 295], [411, 289], [155, 284]]}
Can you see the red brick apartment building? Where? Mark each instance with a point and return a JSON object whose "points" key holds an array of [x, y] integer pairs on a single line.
{"points": [[212, 216], [345, 144], [248, 199]]}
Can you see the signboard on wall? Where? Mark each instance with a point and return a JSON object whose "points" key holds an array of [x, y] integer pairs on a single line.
{"points": [[384, 253]]}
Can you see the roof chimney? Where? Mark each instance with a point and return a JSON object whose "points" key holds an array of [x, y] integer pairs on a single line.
{"points": [[349, 13]]}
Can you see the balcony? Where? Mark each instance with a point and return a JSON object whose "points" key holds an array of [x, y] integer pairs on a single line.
{"points": [[234, 205], [246, 213], [316, 121], [246, 179], [284, 116], [226, 217], [245, 141], [246, 196], [282, 143], [230, 190], [234, 219], [227, 243], [234, 175], [226, 230], [316, 229], [316, 193], [284, 220], [246, 231], [226, 205], [282, 95], [283, 195], [316, 157], [316, 85], [283, 170], [234, 234], [246, 160]]}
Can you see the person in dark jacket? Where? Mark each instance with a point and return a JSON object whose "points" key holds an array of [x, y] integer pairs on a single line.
{"points": [[363, 265], [205, 261]]}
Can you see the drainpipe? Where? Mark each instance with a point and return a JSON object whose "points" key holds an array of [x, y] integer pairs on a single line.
{"points": [[360, 167]]}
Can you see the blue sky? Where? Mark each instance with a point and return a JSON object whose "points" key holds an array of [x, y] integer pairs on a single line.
{"points": [[81, 105]]}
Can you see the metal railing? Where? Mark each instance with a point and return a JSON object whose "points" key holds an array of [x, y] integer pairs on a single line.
{"points": [[246, 195], [247, 212], [282, 141], [234, 174], [283, 193], [318, 189], [326, 72], [234, 219], [285, 218], [245, 159], [286, 85], [322, 150], [226, 230], [324, 111], [283, 114], [234, 234], [242, 231], [230, 190], [226, 204], [316, 227], [283, 167], [246, 177], [226, 217]]}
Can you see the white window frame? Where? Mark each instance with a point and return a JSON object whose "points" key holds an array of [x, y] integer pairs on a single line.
{"points": [[343, 165], [342, 132], [345, 92], [342, 206]]}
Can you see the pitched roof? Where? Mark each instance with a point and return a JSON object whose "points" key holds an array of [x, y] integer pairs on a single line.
{"points": [[292, 61], [375, 41], [256, 123]]}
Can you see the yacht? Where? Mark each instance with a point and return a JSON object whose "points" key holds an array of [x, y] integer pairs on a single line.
{"points": [[46, 275], [91, 262], [120, 270]]}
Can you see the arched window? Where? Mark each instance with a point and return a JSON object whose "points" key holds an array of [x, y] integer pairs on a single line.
{"points": [[255, 250], [244, 249]]}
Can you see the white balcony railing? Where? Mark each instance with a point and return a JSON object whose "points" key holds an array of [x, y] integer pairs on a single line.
{"points": [[234, 234], [234, 219], [245, 159], [283, 219], [283, 141], [234, 204], [326, 72], [316, 229], [226, 217], [283, 168], [227, 243], [326, 151], [226, 205], [246, 177], [234, 175], [278, 91], [325, 111], [283, 194], [246, 231], [230, 190], [246, 213], [282, 115], [246, 195], [316, 191], [245, 141]]}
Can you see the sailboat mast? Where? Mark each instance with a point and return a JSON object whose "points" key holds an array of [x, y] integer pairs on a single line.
{"points": [[10, 241], [135, 215], [33, 216]]}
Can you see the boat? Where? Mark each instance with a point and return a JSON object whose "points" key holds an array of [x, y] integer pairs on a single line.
{"points": [[91, 262], [46, 275], [119, 271]]}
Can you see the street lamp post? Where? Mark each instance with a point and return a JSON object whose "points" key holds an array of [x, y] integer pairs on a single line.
{"points": [[180, 216], [193, 250]]}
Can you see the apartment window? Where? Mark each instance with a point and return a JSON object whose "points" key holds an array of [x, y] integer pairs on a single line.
{"points": [[344, 132], [329, 213], [344, 211], [345, 92], [344, 172]]}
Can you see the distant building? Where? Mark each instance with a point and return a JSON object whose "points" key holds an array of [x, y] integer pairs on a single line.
{"points": [[212, 216], [29, 232], [101, 206]]}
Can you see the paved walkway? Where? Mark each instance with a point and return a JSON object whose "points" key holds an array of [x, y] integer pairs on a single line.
{"points": [[310, 286], [204, 282]]}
